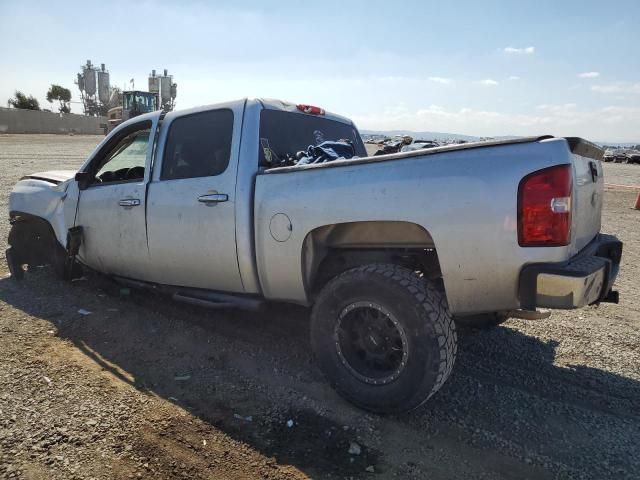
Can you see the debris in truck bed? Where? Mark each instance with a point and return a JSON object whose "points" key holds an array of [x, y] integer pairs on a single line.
{"points": [[326, 152]]}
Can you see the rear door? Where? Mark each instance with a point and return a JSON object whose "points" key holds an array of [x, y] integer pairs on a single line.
{"points": [[191, 201]]}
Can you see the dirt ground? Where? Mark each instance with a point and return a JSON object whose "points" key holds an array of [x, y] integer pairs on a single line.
{"points": [[146, 388]]}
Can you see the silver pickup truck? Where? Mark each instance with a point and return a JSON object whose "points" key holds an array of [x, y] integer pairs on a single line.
{"points": [[391, 252]]}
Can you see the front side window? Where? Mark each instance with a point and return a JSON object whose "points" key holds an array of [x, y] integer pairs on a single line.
{"points": [[198, 145], [125, 161]]}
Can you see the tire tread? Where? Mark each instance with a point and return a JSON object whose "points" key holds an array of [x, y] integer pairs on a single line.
{"points": [[435, 314]]}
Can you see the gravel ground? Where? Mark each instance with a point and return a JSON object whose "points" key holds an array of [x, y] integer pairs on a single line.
{"points": [[146, 388], [622, 174]]}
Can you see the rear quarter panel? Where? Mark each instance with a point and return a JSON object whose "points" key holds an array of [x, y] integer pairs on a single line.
{"points": [[465, 199]]}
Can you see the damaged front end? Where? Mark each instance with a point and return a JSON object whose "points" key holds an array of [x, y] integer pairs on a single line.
{"points": [[38, 234], [33, 243]]}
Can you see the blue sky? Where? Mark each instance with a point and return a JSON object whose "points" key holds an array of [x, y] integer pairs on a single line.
{"points": [[477, 68]]}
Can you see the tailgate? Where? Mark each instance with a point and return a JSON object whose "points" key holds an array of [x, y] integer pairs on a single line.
{"points": [[588, 184]]}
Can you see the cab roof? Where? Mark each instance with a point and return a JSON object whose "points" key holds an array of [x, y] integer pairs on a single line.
{"points": [[266, 103]]}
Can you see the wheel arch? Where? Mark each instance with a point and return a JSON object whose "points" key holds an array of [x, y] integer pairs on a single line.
{"points": [[31, 220], [328, 250], [32, 236]]}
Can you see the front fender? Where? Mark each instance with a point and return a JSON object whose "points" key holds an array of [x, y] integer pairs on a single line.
{"points": [[44, 199]]}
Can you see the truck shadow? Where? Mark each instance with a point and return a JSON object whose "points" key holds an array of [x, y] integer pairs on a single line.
{"points": [[248, 374]]}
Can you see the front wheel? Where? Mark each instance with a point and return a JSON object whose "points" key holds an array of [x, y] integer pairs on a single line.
{"points": [[383, 337], [15, 267]]}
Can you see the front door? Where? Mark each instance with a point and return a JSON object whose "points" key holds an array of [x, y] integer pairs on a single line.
{"points": [[190, 210], [111, 210]]}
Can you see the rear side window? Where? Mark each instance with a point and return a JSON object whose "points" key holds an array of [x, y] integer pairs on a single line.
{"points": [[285, 133], [198, 145]]}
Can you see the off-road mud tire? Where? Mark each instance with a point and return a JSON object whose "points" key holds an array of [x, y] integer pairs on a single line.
{"points": [[420, 309]]}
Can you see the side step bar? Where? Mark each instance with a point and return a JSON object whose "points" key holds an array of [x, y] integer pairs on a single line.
{"points": [[196, 296], [201, 303], [217, 300]]}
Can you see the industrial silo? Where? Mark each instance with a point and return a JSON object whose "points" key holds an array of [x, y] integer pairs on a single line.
{"points": [[81, 82], [104, 90], [154, 82], [165, 88], [89, 74]]}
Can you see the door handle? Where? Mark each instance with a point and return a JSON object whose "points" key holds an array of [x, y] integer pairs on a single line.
{"points": [[213, 198], [129, 202]]}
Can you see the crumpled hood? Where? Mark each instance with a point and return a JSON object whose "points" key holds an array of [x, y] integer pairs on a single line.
{"points": [[53, 176]]}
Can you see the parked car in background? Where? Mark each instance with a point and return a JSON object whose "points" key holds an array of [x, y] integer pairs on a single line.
{"points": [[394, 145], [419, 145], [633, 156], [620, 156]]}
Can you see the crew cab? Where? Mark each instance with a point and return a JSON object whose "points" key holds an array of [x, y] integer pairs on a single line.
{"points": [[391, 252]]}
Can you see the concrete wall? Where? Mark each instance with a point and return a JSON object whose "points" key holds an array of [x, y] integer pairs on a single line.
{"points": [[13, 120]]}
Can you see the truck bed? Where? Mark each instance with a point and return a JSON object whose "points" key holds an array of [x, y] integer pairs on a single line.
{"points": [[577, 145], [463, 196]]}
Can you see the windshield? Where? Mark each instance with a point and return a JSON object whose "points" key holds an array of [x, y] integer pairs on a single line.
{"points": [[283, 134]]}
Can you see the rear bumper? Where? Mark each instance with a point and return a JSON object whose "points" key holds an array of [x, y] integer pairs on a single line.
{"points": [[583, 280]]}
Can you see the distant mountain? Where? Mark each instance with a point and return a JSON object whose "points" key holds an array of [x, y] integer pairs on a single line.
{"points": [[619, 145], [451, 137]]}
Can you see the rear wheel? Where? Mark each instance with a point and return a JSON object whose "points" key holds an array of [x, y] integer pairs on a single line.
{"points": [[383, 337]]}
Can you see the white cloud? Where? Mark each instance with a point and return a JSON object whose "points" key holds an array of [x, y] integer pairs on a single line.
{"points": [[565, 111], [589, 75], [444, 81], [617, 87], [489, 82], [513, 77], [520, 51], [612, 123]]}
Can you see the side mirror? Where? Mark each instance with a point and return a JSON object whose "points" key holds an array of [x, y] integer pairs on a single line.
{"points": [[83, 179]]}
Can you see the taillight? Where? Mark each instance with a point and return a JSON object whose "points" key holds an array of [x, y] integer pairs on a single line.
{"points": [[310, 109], [544, 208]]}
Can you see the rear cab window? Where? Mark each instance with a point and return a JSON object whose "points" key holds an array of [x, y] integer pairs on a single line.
{"points": [[283, 134]]}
